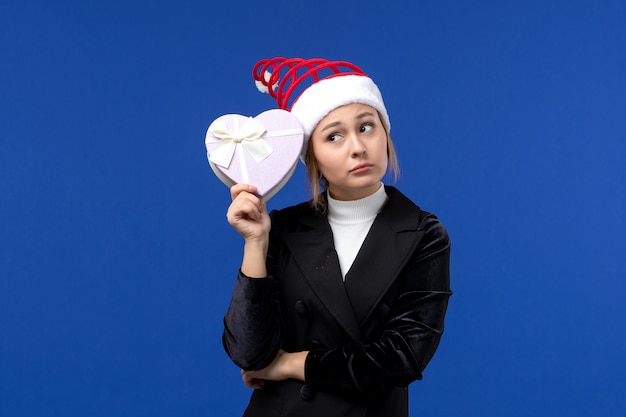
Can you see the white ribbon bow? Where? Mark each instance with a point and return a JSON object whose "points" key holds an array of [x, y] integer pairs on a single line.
{"points": [[249, 136]]}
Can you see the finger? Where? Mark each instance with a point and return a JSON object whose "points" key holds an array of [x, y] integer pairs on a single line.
{"points": [[236, 189], [257, 383], [254, 383], [244, 195], [244, 207], [251, 382]]}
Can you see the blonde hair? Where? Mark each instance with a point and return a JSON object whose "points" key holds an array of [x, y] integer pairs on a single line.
{"points": [[318, 184]]}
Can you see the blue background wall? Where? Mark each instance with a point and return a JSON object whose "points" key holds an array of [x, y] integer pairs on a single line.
{"points": [[116, 262]]}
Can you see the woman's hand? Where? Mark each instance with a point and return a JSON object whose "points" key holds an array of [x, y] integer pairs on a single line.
{"points": [[248, 216], [284, 366]]}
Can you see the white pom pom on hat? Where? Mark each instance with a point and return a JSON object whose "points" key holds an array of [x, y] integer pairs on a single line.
{"points": [[263, 87], [320, 94]]}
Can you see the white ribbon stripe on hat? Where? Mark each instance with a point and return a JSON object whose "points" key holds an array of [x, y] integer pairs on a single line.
{"points": [[249, 136]]}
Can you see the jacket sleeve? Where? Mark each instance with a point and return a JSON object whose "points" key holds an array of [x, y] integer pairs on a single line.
{"points": [[253, 330], [411, 335]]}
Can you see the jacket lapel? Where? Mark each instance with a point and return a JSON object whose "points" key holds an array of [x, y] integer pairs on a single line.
{"points": [[313, 249], [391, 241]]}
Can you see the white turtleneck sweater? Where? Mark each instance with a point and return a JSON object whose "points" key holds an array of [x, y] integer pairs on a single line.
{"points": [[350, 222]]}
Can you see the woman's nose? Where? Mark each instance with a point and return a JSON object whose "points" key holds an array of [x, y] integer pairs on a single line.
{"points": [[358, 148]]}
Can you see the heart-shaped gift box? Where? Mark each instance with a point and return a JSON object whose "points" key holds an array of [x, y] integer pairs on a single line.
{"points": [[262, 151]]}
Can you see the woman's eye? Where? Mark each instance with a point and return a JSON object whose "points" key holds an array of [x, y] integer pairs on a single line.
{"points": [[366, 127], [334, 138]]}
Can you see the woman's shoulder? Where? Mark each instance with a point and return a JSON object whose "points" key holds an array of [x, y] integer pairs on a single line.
{"points": [[292, 212], [410, 215], [301, 216]]}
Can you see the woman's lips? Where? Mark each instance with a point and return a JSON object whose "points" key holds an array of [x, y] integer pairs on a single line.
{"points": [[361, 168]]}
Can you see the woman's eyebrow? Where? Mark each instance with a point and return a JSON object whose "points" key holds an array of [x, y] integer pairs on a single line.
{"points": [[331, 125], [358, 117], [365, 114]]}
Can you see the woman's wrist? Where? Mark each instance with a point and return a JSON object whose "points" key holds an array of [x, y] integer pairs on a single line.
{"points": [[258, 244], [295, 365], [254, 254]]}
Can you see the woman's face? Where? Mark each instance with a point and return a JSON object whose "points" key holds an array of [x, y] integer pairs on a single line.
{"points": [[350, 147]]}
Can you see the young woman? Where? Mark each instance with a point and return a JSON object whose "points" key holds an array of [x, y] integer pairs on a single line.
{"points": [[340, 301]]}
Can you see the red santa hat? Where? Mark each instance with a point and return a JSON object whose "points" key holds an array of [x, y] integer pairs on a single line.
{"points": [[312, 88]]}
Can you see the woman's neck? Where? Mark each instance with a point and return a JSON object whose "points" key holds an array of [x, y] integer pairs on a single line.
{"points": [[353, 194], [356, 211]]}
